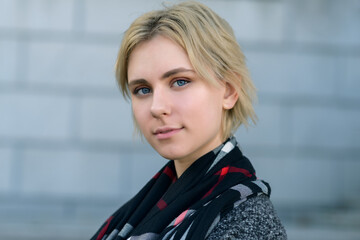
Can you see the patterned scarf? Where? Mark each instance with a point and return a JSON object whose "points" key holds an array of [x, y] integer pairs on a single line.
{"points": [[188, 207]]}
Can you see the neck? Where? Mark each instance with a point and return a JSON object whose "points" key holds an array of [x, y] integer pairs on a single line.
{"points": [[181, 166]]}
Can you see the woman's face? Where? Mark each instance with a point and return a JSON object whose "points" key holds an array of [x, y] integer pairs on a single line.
{"points": [[178, 113]]}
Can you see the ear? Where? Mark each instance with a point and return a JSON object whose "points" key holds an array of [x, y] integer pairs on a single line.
{"points": [[230, 96]]}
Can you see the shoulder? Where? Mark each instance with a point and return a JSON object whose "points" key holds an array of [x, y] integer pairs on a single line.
{"points": [[253, 219]]}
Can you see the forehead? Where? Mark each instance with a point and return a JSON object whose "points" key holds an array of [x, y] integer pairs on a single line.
{"points": [[156, 56]]}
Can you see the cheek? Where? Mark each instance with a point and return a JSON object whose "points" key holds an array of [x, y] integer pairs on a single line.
{"points": [[139, 114], [206, 109]]}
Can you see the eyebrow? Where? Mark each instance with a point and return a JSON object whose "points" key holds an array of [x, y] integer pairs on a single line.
{"points": [[175, 71], [165, 75]]}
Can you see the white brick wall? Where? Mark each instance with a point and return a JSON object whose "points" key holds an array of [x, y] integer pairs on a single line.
{"points": [[107, 119], [253, 20], [350, 83], [8, 50], [293, 72], [326, 127], [5, 170], [72, 64], [73, 173], [348, 173], [37, 14], [326, 23], [303, 180], [38, 116], [267, 130], [114, 16], [8, 13], [144, 167]]}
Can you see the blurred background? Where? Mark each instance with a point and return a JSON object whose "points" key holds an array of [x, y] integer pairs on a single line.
{"points": [[68, 157]]}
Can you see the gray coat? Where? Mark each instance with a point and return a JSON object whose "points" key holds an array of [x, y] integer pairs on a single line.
{"points": [[253, 219]]}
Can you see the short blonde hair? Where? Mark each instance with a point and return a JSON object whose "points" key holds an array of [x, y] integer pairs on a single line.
{"points": [[210, 44]]}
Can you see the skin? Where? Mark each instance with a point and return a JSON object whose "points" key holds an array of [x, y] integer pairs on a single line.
{"points": [[179, 113]]}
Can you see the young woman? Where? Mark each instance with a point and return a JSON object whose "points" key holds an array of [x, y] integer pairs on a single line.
{"points": [[190, 90]]}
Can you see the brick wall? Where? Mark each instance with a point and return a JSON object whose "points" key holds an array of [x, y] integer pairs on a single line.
{"points": [[67, 154]]}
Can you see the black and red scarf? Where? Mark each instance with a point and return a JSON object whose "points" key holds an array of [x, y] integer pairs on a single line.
{"points": [[188, 207]]}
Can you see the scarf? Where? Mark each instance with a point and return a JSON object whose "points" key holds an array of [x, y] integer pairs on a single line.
{"points": [[188, 207]]}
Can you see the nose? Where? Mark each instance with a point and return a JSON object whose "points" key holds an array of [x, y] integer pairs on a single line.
{"points": [[161, 105]]}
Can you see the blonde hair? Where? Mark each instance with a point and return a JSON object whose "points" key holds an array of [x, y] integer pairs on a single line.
{"points": [[210, 44]]}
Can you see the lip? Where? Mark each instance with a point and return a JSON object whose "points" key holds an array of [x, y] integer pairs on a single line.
{"points": [[166, 132]]}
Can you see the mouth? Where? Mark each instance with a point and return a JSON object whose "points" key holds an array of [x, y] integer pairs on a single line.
{"points": [[166, 132]]}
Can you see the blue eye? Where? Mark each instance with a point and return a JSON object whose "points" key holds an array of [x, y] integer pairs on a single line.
{"points": [[180, 83], [142, 91]]}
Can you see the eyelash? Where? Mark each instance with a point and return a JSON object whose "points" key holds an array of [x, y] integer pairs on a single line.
{"points": [[184, 82], [180, 80], [137, 90]]}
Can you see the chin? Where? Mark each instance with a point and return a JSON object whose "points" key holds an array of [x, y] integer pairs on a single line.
{"points": [[170, 155]]}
